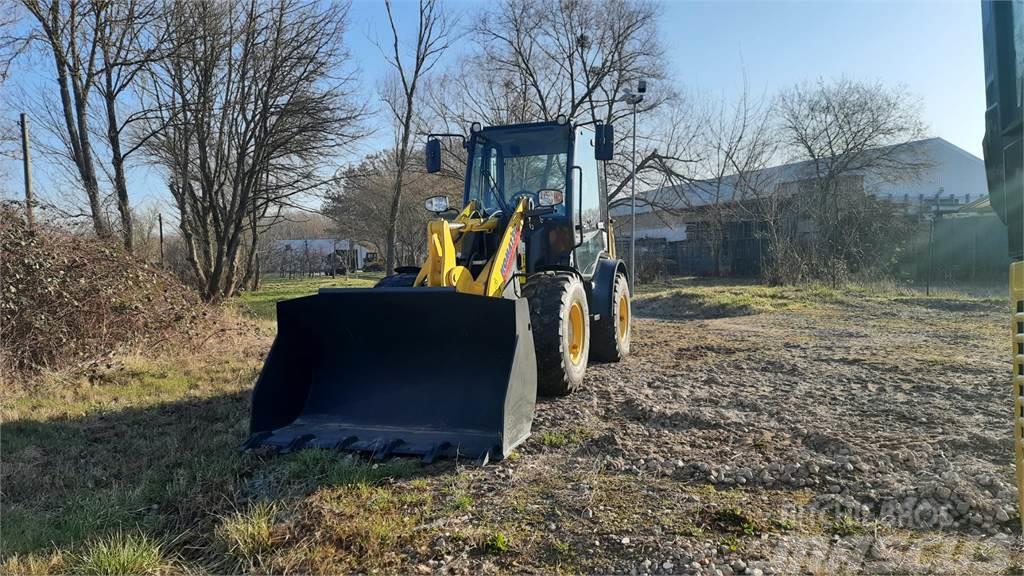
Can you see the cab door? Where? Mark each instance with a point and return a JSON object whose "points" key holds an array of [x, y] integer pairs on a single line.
{"points": [[588, 220]]}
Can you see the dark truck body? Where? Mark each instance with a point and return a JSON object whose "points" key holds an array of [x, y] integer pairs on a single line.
{"points": [[1003, 39]]}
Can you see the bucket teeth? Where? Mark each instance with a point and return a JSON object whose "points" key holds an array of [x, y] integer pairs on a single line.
{"points": [[387, 449], [432, 452], [256, 440], [299, 443], [346, 442], [484, 458]]}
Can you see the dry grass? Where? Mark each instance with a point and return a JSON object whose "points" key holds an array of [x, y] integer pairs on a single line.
{"points": [[132, 465]]}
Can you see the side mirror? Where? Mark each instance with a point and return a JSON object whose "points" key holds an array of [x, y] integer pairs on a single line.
{"points": [[433, 156], [604, 142], [436, 204]]}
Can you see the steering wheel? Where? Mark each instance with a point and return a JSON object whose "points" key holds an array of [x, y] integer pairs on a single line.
{"points": [[527, 193]]}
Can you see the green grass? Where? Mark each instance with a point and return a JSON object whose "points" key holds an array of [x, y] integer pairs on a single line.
{"points": [[246, 535], [331, 468], [261, 304], [134, 445], [120, 553], [497, 543]]}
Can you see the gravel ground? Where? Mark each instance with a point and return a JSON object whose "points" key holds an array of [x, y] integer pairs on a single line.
{"points": [[870, 434]]}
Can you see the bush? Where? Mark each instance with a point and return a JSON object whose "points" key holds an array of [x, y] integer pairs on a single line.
{"points": [[66, 299]]}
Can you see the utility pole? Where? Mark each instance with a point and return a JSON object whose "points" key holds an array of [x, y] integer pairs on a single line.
{"points": [[160, 222], [634, 99], [27, 165]]}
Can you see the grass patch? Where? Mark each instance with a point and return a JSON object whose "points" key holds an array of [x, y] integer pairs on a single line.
{"points": [[246, 536], [121, 553], [735, 519], [262, 304], [497, 543], [559, 439], [142, 443], [331, 468], [689, 298], [844, 525]]}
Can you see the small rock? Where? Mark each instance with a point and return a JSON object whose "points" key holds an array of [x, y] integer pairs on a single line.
{"points": [[667, 566], [588, 513], [625, 541], [1002, 516], [738, 565], [423, 569], [756, 572]]}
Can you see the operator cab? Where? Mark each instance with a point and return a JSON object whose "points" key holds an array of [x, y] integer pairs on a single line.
{"points": [[554, 165]]}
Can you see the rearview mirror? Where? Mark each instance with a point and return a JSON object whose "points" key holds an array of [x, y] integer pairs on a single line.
{"points": [[433, 156], [437, 204], [604, 142]]}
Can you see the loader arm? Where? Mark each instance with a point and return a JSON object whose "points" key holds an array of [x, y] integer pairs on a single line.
{"points": [[441, 268]]}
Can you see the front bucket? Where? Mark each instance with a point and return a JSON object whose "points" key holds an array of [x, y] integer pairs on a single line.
{"points": [[422, 371]]}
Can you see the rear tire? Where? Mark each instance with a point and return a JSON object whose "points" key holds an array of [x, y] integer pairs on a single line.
{"points": [[560, 321], [400, 280], [612, 334]]}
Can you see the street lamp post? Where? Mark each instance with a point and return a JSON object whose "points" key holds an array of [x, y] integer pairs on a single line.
{"points": [[633, 99]]}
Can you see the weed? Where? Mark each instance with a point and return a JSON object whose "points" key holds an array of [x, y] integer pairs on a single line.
{"points": [[560, 547], [734, 518], [693, 531], [553, 439], [497, 543], [120, 553], [845, 526], [462, 502], [730, 541], [247, 536]]}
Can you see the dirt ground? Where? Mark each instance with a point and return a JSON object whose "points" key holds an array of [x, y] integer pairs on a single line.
{"points": [[752, 431]]}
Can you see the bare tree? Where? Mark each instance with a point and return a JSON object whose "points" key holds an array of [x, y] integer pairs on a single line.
{"points": [[400, 97], [737, 143], [253, 102], [126, 43], [358, 207], [534, 60], [67, 31], [848, 134]]}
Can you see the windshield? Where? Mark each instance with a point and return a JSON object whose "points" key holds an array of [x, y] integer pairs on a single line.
{"points": [[508, 161]]}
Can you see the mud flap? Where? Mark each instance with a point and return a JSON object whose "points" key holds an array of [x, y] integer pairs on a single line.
{"points": [[421, 371]]}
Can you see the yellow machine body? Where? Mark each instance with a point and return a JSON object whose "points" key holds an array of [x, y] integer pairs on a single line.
{"points": [[444, 238]]}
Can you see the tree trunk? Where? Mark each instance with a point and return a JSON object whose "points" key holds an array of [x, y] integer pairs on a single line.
{"points": [[396, 199], [117, 160]]}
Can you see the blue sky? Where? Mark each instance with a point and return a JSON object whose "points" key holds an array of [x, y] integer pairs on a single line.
{"points": [[933, 48]]}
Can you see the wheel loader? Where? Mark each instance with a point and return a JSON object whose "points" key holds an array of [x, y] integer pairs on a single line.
{"points": [[519, 290]]}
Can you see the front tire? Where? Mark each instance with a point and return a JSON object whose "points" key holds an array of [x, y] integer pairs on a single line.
{"points": [[561, 331], [612, 333]]}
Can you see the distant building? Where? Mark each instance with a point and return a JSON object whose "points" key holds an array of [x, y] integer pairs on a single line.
{"points": [[309, 256], [952, 178]]}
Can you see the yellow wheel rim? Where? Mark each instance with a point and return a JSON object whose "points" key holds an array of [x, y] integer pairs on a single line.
{"points": [[623, 317], [576, 332]]}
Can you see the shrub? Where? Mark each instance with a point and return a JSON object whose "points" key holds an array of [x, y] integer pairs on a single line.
{"points": [[67, 299]]}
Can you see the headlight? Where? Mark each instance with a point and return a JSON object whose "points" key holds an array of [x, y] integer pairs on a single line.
{"points": [[437, 204], [550, 197]]}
